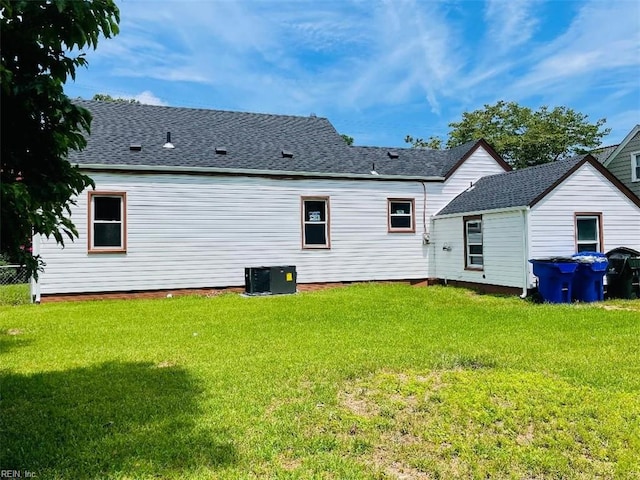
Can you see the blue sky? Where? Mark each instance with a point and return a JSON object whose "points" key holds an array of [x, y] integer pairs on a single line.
{"points": [[377, 70]]}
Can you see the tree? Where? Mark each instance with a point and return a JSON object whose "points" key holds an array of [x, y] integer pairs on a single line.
{"points": [[524, 137], [103, 97], [40, 124], [432, 143], [348, 140]]}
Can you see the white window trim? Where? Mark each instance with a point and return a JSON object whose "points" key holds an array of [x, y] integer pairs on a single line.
{"points": [[468, 255], [326, 222], [598, 240], [122, 248], [412, 227], [635, 163]]}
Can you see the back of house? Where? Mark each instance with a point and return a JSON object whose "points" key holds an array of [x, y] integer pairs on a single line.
{"points": [[189, 198]]}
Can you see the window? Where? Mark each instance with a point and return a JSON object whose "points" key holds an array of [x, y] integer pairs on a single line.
{"points": [[107, 222], [315, 222], [588, 232], [401, 216], [635, 167], [473, 243]]}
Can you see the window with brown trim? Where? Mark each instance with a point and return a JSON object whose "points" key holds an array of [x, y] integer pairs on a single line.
{"points": [[401, 215], [589, 232], [315, 222], [473, 243], [107, 222]]}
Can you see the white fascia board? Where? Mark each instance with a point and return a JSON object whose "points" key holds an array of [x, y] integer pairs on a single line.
{"points": [[250, 172], [623, 144], [482, 212]]}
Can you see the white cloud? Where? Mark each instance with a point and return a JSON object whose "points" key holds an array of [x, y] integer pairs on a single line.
{"points": [[510, 24], [603, 38], [148, 98]]}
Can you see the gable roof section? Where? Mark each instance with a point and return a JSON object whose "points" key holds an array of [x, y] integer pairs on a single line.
{"points": [[411, 161], [603, 153], [634, 131], [247, 143], [525, 187]]}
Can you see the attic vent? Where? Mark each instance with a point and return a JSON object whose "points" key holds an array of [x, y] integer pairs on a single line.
{"points": [[221, 150], [287, 154], [135, 147], [168, 145], [392, 154]]}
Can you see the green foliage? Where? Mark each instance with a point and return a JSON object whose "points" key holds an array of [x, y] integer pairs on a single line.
{"points": [[358, 382], [103, 97], [432, 143], [524, 137], [40, 124], [348, 140]]}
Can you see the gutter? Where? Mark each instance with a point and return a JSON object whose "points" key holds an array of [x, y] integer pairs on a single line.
{"points": [[250, 172], [480, 212]]}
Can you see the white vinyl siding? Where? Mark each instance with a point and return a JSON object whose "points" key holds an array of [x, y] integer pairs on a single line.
{"points": [[478, 165], [503, 250], [552, 221], [190, 231]]}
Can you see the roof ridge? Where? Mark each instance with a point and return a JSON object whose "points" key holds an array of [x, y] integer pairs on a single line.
{"points": [[196, 109]]}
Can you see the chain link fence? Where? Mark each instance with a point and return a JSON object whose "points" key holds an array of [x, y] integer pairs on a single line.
{"points": [[14, 285]]}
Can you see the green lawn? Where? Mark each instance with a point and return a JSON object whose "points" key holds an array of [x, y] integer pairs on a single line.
{"points": [[17, 294], [368, 381]]}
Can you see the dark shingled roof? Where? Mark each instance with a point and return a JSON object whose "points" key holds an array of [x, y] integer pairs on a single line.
{"points": [[601, 154], [512, 189], [433, 162], [252, 141]]}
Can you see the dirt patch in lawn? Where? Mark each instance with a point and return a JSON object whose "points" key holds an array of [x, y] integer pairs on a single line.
{"points": [[468, 423]]}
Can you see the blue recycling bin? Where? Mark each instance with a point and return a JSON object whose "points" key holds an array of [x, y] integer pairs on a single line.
{"points": [[588, 284], [555, 278]]}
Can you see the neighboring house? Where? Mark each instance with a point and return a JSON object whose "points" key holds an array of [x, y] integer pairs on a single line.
{"points": [[624, 160], [487, 234], [187, 198]]}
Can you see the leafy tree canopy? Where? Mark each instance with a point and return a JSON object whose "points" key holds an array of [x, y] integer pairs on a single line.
{"points": [[348, 140], [40, 45], [103, 97], [524, 137]]}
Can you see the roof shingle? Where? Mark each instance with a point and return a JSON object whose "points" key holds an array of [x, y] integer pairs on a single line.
{"points": [[252, 141], [512, 189]]}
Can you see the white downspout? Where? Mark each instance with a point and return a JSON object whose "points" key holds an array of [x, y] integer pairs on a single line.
{"points": [[525, 253]]}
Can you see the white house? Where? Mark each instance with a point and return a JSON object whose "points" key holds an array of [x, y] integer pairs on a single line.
{"points": [[187, 198], [487, 234]]}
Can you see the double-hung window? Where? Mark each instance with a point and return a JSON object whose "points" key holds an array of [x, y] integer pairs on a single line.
{"points": [[315, 222], [635, 167], [473, 247], [588, 232], [401, 215], [107, 222]]}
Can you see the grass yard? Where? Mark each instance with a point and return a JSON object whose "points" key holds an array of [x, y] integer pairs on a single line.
{"points": [[363, 382], [18, 294]]}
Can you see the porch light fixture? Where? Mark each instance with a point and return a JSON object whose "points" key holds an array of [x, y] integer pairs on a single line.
{"points": [[168, 145]]}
